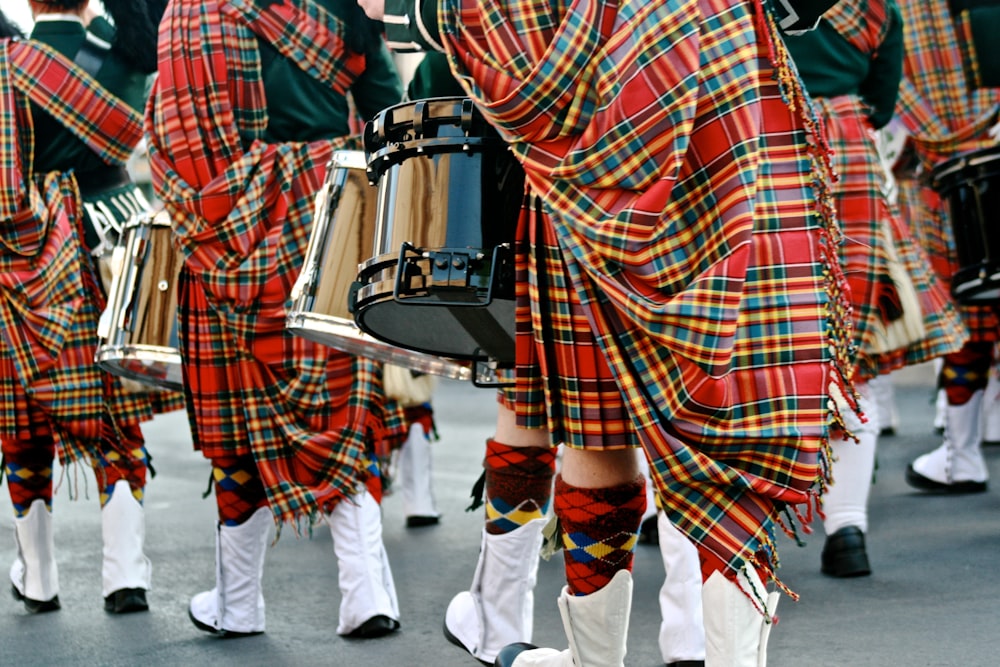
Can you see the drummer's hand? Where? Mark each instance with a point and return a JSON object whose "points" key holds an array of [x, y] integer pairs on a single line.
{"points": [[374, 9]]}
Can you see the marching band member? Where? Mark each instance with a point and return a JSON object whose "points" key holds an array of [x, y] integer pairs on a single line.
{"points": [[250, 102], [71, 97], [851, 65], [653, 300], [948, 102]]}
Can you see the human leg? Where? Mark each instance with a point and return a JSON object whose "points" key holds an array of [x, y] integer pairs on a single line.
{"points": [[845, 503], [599, 499], [28, 463], [235, 606], [368, 604], [957, 465], [498, 608], [126, 572]]}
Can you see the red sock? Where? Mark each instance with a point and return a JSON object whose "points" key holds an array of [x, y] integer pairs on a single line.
{"points": [[238, 489], [600, 528], [518, 485]]}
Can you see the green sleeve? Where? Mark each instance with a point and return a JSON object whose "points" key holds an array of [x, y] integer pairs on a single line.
{"points": [[881, 87], [379, 86]]}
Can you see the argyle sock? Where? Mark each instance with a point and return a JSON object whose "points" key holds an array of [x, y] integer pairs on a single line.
{"points": [[600, 528], [28, 468], [518, 485], [238, 489], [965, 372], [114, 466]]}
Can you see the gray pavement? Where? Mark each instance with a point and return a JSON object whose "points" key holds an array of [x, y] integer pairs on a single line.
{"points": [[933, 599]]}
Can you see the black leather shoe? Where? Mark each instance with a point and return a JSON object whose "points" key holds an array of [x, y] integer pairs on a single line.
{"points": [[220, 632], [844, 554], [126, 601], [649, 531], [35, 606], [376, 626], [918, 481], [506, 656], [416, 521], [686, 663]]}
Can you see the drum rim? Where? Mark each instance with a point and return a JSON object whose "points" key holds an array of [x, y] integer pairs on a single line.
{"points": [[296, 322]]}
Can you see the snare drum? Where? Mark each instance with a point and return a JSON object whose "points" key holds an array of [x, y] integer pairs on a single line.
{"points": [[138, 329], [970, 184], [441, 279], [342, 235]]}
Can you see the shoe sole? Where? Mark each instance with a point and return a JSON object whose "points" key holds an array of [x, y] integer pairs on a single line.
{"points": [[35, 606], [220, 633], [918, 481], [457, 642]]}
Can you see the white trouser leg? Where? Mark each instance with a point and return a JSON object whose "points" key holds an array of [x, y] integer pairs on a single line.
{"points": [[736, 631], [34, 572], [123, 531], [367, 589], [845, 502], [416, 481], [958, 464], [236, 605], [498, 608], [682, 630]]}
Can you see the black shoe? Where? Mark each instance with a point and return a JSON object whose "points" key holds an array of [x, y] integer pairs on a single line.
{"points": [[417, 521], [844, 554], [507, 655], [649, 531], [220, 632], [376, 626], [35, 606], [126, 601], [918, 481], [686, 663], [887, 431]]}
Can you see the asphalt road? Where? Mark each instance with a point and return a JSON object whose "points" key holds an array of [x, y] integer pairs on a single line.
{"points": [[933, 598]]}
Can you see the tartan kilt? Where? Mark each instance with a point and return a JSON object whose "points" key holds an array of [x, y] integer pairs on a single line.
{"points": [[559, 363], [869, 225], [926, 213], [311, 416], [49, 312]]}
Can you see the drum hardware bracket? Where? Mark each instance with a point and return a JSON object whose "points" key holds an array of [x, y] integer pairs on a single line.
{"points": [[454, 268], [485, 373]]}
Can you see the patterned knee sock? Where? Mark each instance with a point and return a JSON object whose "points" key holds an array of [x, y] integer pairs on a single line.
{"points": [[238, 489], [965, 372], [124, 458], [28, 468], [600, 528], [518, 485]]}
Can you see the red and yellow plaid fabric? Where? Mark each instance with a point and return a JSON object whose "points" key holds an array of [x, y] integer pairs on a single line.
{"points": [[868, 224], [945, 117], [49, 299], [242, 212], [690, 226]]}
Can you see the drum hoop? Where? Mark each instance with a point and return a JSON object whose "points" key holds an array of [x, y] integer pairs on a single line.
{"points": [[347, 159], [381, 160], [961, 163], [298, 323]]}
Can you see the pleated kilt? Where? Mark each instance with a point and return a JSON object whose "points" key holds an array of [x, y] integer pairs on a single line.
{"points": [[869, 225]]}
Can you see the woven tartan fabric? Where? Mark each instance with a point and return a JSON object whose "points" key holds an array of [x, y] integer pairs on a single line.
{"points": [[945, 117], [49, 295], [869, 225], [242, 211], [668, 145]]}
